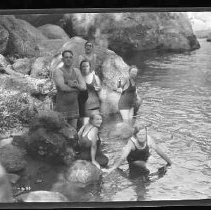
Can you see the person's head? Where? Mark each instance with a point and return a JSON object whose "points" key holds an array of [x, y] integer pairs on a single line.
{"points": [[67, 57], [85, 67], [88, 47], [96, 120], [140, 133], [133, 71]]}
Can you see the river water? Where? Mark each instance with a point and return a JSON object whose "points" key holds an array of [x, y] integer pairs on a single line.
{"points": [[176, 92]]}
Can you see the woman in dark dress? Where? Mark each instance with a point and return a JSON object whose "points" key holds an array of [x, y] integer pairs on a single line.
{"points": [[89, 142], [128, 96]]}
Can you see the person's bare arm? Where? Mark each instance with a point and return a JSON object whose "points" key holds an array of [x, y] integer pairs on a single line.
{"points": [[158, 150], [59, 80], [98, 86]]}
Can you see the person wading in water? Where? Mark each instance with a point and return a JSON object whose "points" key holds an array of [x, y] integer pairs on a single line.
{"points": [[137, 152], [69, 82]]}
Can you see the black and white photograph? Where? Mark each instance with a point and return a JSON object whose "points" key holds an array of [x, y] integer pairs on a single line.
{"points": [[105, 106]]}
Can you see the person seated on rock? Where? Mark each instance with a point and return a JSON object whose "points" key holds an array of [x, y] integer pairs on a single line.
{"points": [[89, 142], [89, 55], [89, 101], [128, 97], [69, 82], [137, 152]]}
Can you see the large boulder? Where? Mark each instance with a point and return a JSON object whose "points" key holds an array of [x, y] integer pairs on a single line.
{"points": [[12, 158], [24, 39], [50, 138], [22, 65], [53, 32], [79, 181], [126, 32]]}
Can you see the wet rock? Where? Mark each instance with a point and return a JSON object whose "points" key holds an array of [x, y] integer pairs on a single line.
{"points": [[44, 196], [22, 65], [12, 158], [51, 139], [53, 31], [83, 172], [78, 182], [6, 195], [40, 19]]}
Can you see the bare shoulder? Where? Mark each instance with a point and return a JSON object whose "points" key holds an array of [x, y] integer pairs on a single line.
{"points": [[92, 135], [57, 72]]}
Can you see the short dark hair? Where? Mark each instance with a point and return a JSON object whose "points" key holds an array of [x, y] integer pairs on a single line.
{"points": [[85, 61], [65, 51], [88, 43]]}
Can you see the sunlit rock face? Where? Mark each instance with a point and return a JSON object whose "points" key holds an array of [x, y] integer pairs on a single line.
{"points": [[123, 32]]}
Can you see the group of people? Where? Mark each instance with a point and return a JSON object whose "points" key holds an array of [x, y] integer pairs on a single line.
{"points": [[79, 102]]}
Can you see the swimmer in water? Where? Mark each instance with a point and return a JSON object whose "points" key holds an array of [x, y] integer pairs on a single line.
{"points": [[137, 152]]}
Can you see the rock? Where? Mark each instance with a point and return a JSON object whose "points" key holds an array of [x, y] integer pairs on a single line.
{"points": [[53, 32], [13, 178], [6, 141], [6, 195], [4, 39], [24, 39], [21, 98], [126, 32], [3, 63], [41, 19], [12, 158], [51, 139], [40, 68], [22, 65], [83, 172], [44, 196], [79, 181]]}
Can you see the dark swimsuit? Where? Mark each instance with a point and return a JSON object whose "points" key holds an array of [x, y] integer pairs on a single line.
{"points": [[93, 102], [128, 97], [85, 150], [136, 155]]}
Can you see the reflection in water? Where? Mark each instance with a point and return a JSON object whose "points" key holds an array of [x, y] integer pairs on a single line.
{"points": [[176, 92]]}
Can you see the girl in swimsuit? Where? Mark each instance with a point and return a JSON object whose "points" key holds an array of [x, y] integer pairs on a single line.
{"points": [[137, 151], [128, 96], [91, 105], [89, 142]]}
